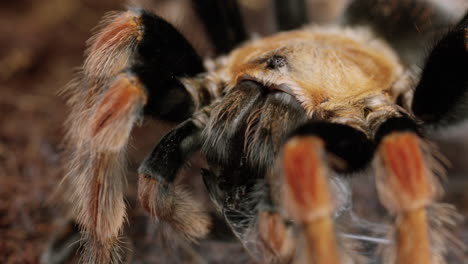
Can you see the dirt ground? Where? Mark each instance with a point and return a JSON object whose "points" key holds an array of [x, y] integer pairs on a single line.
{"points": [[41, 44]]}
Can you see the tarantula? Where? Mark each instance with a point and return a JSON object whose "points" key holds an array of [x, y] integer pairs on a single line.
{"points": [[284, 122]]}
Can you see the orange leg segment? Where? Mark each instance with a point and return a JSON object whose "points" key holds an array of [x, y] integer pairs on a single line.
{"points": [[308, 198], [406, 187]]}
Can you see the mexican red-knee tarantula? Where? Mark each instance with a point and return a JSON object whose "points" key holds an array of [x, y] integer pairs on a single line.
{"points": [[284, 122]]}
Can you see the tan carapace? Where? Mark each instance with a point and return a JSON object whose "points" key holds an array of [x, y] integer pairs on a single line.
{"points": [[338, 74]]}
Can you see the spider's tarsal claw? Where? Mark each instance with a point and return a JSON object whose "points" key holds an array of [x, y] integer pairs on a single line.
{"points": [[276, 235], [308, 197], [406, 187]]}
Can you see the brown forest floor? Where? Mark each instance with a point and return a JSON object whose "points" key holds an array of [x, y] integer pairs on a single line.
{"points": [[41, 43]]}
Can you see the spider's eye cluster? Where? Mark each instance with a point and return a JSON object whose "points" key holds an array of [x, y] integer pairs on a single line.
{"points": [[276, 61]]}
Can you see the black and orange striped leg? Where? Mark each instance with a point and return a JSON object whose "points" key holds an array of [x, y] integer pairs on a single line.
{"points": [[133, 68], [310, 158], [407, 186]]}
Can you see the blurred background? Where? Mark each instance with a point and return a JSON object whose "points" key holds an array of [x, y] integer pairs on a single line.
{"points": [[41, 46]]}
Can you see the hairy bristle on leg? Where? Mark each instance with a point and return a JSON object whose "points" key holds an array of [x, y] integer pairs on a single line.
{"points": [[110, 49], [97, 169], [132, 68]]}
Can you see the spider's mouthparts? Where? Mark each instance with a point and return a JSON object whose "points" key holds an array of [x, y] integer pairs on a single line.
{"points": [[281, 87], [268, 87]]}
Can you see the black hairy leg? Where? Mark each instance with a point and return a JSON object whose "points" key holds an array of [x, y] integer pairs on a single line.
{"points": [[160, 68], [124, 76], [172, 152], [290, 14], [223, 22], [441, 96]]}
